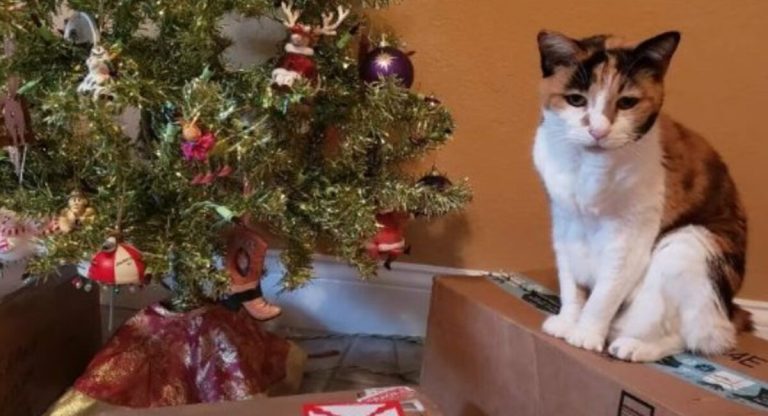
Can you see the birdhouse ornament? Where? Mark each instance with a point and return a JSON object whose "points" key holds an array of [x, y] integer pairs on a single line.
{"points": [[299, 61], [244, 263], [117, 263]]}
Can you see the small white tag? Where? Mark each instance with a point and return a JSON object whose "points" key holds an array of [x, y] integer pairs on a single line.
{"points": [[728, 381]]}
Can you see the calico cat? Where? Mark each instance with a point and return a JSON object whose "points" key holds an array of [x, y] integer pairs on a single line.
{"points": [[649, 233]]}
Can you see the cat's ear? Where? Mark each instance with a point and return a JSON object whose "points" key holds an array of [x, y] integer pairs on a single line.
{"points": [[556, 50], [656, 52]]}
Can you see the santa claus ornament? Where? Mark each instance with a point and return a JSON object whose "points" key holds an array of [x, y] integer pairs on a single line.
{"points": [[299, 61], [389, 242], [117, 263]]}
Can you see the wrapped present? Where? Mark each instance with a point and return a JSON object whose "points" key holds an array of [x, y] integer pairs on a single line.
{"points": [[160, 358]]}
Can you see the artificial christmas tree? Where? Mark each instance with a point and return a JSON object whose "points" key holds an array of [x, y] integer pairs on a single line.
{"points": [[214, 144]]}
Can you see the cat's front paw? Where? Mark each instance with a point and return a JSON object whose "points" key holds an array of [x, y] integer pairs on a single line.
{"points": [[559, 326], [588, 337], [635, 350]]}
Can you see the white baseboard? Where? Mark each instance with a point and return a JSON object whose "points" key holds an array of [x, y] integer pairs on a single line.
{"points": [[394, 303], [759, 310]]}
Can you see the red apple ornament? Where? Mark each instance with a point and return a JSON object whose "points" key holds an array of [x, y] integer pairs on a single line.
{"points": [[117, 264]]}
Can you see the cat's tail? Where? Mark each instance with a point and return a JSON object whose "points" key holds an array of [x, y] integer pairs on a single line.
{"points": [[710, 331], [742, 319]]}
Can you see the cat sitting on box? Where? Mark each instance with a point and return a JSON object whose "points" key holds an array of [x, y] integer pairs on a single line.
{"points": [[649, 232]]}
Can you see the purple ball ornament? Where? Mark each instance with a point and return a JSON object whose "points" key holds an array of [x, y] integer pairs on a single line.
{"points": [[387, 61]]}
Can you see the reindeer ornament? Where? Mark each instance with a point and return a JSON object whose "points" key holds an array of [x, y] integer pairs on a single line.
{"points": [[298, 61]]}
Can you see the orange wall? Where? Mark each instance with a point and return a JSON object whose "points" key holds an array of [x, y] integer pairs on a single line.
{"points": [[480, 58]]}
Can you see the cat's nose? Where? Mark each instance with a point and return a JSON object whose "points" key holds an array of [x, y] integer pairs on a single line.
{"points": [[599, 133]]}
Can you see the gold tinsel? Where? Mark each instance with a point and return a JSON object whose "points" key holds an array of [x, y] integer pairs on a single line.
{"points": [[283, 176]]}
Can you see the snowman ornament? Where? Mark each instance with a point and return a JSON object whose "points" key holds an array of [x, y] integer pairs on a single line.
{"points": [[99, 75], [80, 28], [298, 62]]}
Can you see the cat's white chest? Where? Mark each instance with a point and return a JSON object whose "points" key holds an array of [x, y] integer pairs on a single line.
{"points": [[590, 185], [573, 181], [599, 198]]}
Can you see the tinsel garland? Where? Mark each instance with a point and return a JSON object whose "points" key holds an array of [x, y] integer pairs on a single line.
{"points": [[276, 140]]}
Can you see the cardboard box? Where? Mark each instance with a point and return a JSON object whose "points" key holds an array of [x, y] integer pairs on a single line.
{"points": [[280, 406], [485, 355], [48, 334]]}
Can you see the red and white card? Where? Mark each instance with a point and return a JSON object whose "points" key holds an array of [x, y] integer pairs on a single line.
{"points": [[354, 409], [387, 394]]}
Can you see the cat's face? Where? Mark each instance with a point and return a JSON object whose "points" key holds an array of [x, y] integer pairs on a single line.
{"points": [[600, 93]]}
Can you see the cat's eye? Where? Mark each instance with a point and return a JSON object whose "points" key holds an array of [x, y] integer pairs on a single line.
{"points": [[625, 103], [576, 100]]}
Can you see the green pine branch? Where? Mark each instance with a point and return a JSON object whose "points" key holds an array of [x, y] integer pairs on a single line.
{"points": [[312, 165]]}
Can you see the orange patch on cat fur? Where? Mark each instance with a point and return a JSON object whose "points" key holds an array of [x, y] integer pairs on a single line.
{"points": [[699, 190], [649, 89], [552, 88]]}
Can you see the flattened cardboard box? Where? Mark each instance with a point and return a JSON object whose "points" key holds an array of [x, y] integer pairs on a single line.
{"points": [[485, 355], [278, 406], [48, 334]]}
